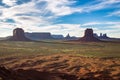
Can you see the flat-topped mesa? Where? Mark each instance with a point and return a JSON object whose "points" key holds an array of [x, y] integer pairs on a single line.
{"points": [[18, 35], [39, 35], [89, 36]]}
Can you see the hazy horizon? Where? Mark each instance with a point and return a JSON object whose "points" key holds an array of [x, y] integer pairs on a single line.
{"points": [[60, 16]]}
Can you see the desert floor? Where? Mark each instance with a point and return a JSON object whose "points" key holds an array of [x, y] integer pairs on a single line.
{"points": [[59, 60], [82, 68]]}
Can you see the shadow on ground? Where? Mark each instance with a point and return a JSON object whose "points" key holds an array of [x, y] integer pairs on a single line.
{"points": [[21, 74]]}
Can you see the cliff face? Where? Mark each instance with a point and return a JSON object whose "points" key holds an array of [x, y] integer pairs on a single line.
{"points": [[18, 35], [89, 36], [38, 36]]}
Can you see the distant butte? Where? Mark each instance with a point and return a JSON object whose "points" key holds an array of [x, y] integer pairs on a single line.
{"points": [[18, 35], [89, 36]]}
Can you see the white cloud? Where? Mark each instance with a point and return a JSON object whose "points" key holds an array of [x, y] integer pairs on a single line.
{"points": [[19, 9], [30, 16], [73, 29], [115, 13], [60, 7], [56, 7], [91, 23], [113, 23], [100, 23], [100, 4], [23, 19], [9, 2], [6, 29]]}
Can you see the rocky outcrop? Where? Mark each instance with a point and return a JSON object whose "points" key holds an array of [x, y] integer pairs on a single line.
{"points": [[18, 35], [103, 36], [68, 36], [89, 36]]}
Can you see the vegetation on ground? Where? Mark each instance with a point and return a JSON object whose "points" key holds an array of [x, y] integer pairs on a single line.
{"points": [[93, 49]]}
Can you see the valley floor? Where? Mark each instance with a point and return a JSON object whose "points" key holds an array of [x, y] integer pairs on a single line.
{"points": [[59, 60], [65, 67]]}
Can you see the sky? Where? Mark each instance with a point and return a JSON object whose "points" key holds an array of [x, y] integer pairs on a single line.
{"points": [[60, 16]]}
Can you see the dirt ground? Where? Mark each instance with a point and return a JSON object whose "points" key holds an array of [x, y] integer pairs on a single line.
{"points": [[60, 67]]}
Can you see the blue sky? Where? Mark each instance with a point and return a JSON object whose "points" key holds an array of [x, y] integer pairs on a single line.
{"points": [[60, 16]]}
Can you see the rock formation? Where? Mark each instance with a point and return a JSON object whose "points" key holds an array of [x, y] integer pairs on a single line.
{"points": [[58, 36], [18, 35], [39, 35], [103, 36], [68, 36], [89, 36]]}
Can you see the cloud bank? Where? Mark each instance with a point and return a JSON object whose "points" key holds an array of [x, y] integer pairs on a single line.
{"points": [[42, 15]]}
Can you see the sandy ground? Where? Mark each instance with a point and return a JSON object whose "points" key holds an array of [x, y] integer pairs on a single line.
{"points": [[64, 67]]}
